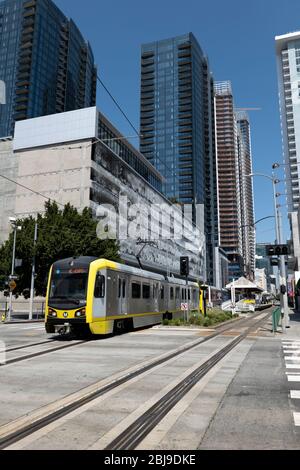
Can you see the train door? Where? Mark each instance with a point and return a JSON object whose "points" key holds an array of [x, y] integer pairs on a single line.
{"points": [[100, 290], [155, 296], [122, 295]]}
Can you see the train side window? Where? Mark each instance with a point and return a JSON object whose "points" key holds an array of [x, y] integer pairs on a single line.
{"points": [[162, 292], [124, 289], [177, 292], [136, 290], [171, 293], [99, 292], [119, 290], [146, 291]]}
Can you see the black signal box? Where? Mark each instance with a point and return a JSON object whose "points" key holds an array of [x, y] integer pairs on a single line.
{"points": [[184, 266], [277, 250]]}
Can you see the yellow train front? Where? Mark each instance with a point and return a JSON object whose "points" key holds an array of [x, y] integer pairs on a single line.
{"points": [[90, 295]]}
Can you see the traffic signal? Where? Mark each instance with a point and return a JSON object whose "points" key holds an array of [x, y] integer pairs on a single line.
{"points": [[282, 289], [184, 266], [274, 262], [277, 250]]}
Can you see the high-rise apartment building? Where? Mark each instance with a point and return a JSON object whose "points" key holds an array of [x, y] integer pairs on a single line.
{"points": [[235, 190], [288, 71], [246, 187], [229, 196], [45, 62], [177, 126]]}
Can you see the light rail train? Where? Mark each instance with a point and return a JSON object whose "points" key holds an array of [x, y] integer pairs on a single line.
{"points": [[93, 295]]}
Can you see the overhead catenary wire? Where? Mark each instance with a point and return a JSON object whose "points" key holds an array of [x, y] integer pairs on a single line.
{"points": [[133, 127], [31, 190], [118, 106]]}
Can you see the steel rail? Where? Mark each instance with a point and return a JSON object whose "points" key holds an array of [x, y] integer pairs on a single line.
{"points": [[131, 437], [25, 346], [26, 430], [40, 353]]}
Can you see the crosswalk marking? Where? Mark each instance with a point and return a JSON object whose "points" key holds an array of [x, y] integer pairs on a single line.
{"points": [[295, 394], [293, 378], [292, 366], [296, 418]]}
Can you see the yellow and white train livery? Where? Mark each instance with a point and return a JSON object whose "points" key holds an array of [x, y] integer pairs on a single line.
{"points": [[87, 294]]}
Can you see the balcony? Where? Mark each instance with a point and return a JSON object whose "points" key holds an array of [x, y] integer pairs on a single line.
{"points": [[29, 4], [29, 12], [20, 116], [21, 99]]}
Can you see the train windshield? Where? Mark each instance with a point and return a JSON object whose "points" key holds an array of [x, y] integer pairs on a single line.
{"points": [[68, 288]]}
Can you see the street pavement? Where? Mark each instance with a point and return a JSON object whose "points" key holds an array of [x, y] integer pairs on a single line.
{"points": [[250, 400], [261, 408]]}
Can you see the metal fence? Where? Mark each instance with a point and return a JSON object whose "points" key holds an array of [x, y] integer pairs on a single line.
{"points": [[20, 309]]}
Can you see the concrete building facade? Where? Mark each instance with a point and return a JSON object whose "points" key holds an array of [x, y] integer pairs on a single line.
{"points": [[288, 75], [235, 189], [79, 157], [229, 190]]}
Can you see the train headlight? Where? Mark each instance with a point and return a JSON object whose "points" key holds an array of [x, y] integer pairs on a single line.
{"points": [[80, 313], [52, 313]]}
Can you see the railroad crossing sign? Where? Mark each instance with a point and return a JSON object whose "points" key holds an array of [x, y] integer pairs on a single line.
{"points": [[12, 285]]}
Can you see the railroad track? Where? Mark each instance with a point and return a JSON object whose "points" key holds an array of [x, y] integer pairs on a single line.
{"points": [[42, 352], [27, 425], [132, 436], [219, 330]]}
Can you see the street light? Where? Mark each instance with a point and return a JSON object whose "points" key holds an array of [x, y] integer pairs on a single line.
{"points": [[279, 239], [33, 272], [274, 182], [13, 222]]}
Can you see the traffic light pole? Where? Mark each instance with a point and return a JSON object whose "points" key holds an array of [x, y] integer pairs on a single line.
{"points": [[279, 239], [33, 273], [283, 297], [9, 316]]}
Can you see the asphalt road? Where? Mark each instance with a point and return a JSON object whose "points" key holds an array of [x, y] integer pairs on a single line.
{"points": [[242, 403]]}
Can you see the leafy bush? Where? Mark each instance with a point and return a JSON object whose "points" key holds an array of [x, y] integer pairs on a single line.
{"points": [[213, 317]]}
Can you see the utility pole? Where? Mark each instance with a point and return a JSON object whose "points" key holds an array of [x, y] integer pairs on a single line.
{"points": [[283, 297], [33, 272], [13, 222]]}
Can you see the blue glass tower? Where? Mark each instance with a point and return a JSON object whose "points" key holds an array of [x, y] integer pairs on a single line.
{"points": [[177, 126], [45, 62], [174, 102]]}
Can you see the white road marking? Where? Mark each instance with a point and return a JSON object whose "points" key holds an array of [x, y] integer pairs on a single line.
{"points": [[296, 418], [294, 378], [292, 366], [291, 343], [295, 394]]}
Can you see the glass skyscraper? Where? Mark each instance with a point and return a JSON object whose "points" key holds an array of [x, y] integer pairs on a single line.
{"points": [[174, 101], [177, 125], [45, 62]]}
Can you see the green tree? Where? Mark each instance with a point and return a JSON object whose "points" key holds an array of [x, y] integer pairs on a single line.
{"points": [[62, 233]]}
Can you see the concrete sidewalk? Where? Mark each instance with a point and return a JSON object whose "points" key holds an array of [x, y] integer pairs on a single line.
{"points": [[293, 332], [261, 408]]}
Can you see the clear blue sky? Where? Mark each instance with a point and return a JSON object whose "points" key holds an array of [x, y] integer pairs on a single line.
{"points": [[238, 38]]}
